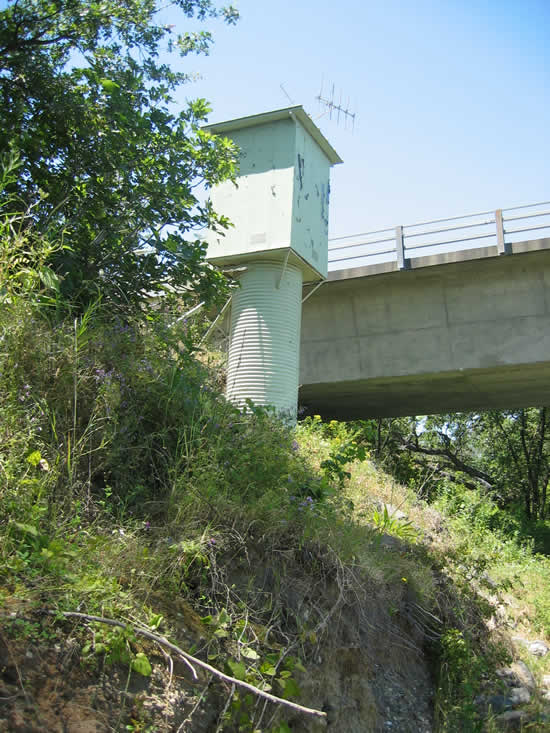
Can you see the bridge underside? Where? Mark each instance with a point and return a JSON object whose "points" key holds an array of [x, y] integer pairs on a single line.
{"points": [[460, 336], [468, 390]]}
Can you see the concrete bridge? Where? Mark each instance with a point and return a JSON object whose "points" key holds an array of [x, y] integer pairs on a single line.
{"points": [[439, 316]]}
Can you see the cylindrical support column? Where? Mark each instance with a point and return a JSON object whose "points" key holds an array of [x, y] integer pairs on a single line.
{"points": [[264, 346]]}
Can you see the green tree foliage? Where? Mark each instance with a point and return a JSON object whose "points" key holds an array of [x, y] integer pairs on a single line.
{"points": [[86, 102], [505, 452]]}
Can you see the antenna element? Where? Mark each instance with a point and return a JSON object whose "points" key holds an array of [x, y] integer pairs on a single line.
{"points": [[336, 107]]}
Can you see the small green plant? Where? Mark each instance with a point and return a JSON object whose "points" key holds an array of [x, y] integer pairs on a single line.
{"points": [[235, 644], [37, 552], [117, 647], [386, 523], [462, 668]]}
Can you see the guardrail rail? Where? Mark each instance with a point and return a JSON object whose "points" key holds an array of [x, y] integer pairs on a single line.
{"points": [[440, 236]]}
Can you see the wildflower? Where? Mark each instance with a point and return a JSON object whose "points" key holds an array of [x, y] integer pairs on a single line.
{"points": [[295, 445]]}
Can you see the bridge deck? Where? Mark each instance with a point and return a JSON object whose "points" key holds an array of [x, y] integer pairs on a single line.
{"points": [[462, 330]]}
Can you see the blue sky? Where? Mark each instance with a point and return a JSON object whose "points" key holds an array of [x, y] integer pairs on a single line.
{"points": [[451, 97]]}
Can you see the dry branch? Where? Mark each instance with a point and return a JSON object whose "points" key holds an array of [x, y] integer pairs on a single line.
{"points": [[190, 659]]}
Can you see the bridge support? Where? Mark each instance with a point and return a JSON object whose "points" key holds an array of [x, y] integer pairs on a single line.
{"points": [[264, 343]]}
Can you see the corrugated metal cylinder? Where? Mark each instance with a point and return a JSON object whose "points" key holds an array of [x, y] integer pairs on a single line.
{"points": [[264, 348]]}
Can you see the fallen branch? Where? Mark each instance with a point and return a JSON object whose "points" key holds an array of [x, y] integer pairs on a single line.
{"points": [[190, 660]]}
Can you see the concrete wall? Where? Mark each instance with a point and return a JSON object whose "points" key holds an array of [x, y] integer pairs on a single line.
{"points": [[467, 335]]}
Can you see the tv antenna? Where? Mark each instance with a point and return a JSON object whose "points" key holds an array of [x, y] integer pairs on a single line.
{"points": [[334, 107], [287, 95]]}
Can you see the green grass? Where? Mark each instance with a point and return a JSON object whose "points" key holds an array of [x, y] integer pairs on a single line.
{"points": [[129, 488]]}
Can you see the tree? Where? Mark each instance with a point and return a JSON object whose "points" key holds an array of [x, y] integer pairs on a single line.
{"points": [[504, 452], [86, 105]]}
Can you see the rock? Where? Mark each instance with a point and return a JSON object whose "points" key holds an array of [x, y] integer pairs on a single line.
{"points": [[546, 681], [487, 580], [538, 648], [519, 695], [389, 542], [519, 640], [393, 511], [512, 719], [517, 674], [524, 675], [498, 703], [507, 675]]}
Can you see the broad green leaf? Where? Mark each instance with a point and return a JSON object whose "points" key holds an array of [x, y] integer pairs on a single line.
{"points": [[249, 653], [223, 618], [236, 669], [268, 669], [49, 278], [141, 665]]}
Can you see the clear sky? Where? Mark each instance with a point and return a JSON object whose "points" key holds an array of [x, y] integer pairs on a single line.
{"points": [[452, 98]]}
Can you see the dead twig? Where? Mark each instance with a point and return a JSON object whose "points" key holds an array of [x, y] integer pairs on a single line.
{"points": [[195, 706], [219, 727], [190, 660]]}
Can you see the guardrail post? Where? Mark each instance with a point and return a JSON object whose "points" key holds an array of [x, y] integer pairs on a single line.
{"points": [[502, 247], [402, 263]]}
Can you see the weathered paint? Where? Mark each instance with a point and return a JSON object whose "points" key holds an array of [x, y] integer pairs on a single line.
{"points": [[281, 197], [309, 235]]}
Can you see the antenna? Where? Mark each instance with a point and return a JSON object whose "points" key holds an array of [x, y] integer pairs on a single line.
{"points": [[287, 94], [332, 106]]}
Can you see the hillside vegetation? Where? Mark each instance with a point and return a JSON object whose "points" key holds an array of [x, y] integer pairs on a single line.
{"points": [[143, 517]]}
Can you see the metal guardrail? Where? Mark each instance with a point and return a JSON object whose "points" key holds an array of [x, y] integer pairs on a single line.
{"points": [[470, 231]]}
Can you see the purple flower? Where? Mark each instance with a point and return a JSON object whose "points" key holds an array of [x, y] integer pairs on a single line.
{"points": [[295, 446]]}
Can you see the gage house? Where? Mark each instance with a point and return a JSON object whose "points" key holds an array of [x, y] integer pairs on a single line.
{"points": [[282, 196], [279, 209]]}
